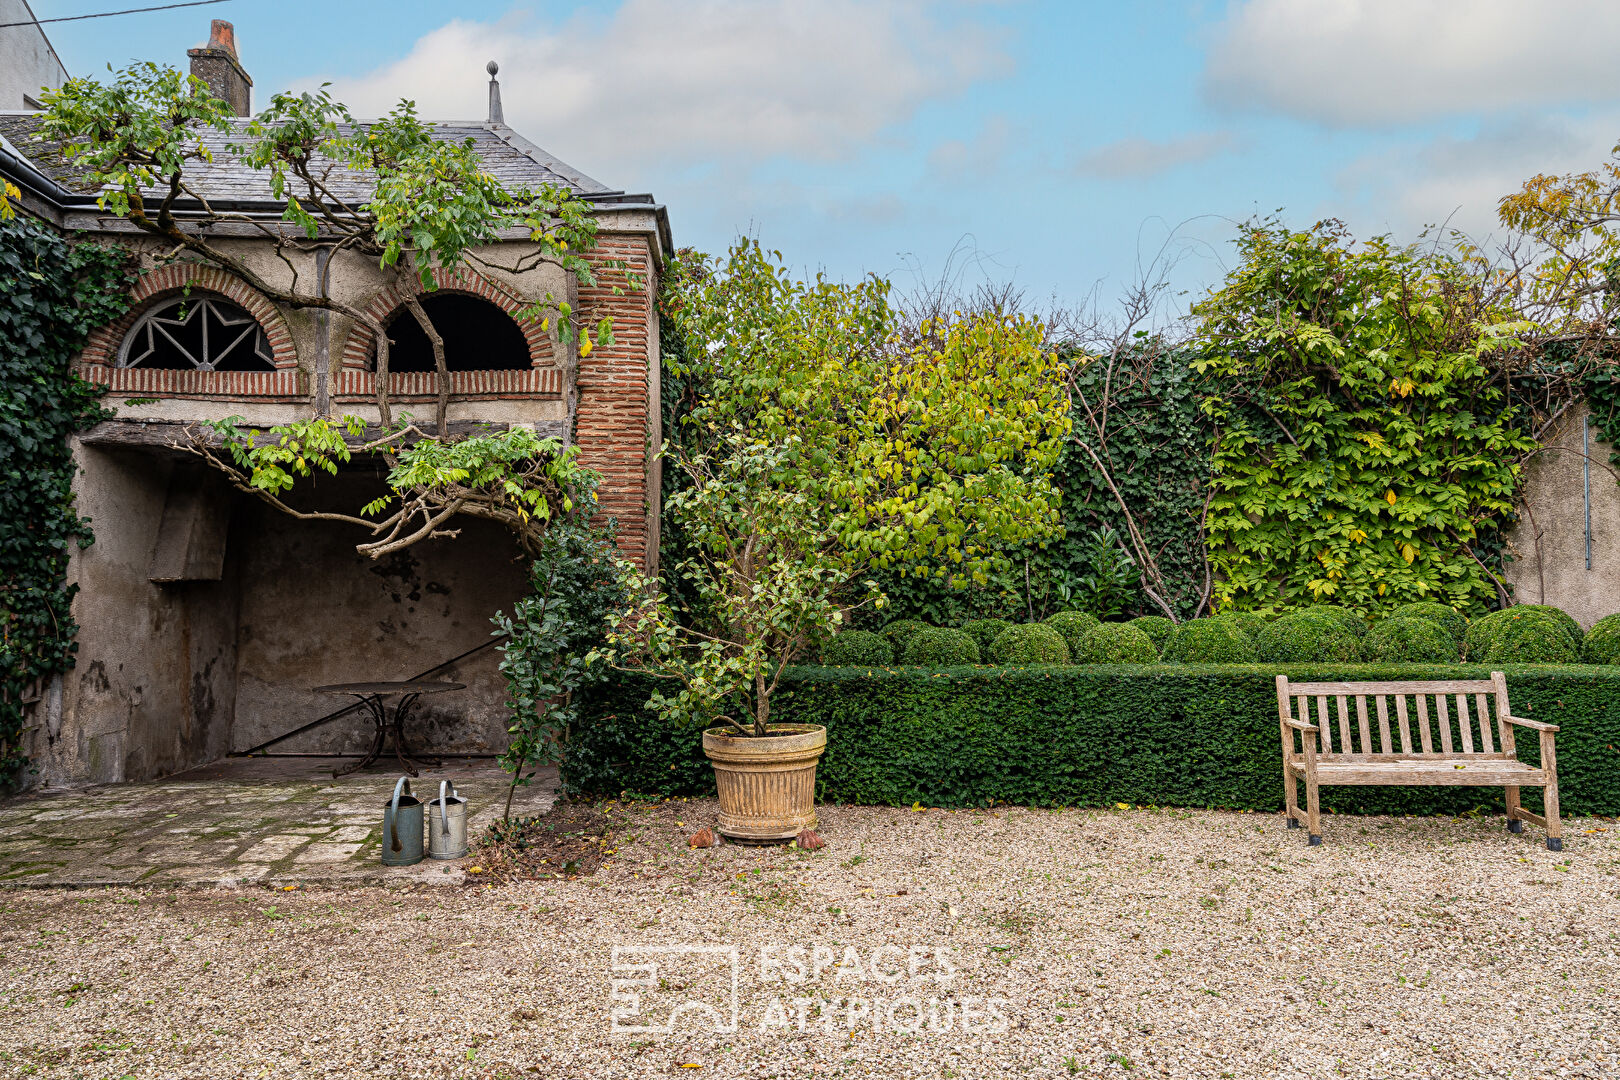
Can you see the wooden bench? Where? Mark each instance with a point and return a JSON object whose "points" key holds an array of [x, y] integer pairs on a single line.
{"points": [[1456, 759]]}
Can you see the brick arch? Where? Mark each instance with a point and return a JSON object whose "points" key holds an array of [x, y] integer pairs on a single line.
{"points": [[168, 281], [357, 349]]}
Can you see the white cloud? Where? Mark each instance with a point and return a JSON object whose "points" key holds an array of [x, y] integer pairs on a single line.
{"points": [[662, 83], [1136, 158], [1378, 63], [1459, 181]]}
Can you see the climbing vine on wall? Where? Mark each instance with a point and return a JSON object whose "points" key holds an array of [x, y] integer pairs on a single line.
{"points": [[53, 292], [1365, 444]]}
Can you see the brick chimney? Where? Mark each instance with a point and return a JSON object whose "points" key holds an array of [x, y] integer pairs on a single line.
{"points": [[218, 66]]}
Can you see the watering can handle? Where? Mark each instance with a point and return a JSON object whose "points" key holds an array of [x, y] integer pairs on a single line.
{"points": [[444, 805], [393, 814]]}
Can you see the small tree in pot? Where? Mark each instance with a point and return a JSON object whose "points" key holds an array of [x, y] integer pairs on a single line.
{"points": [[766, 580]]}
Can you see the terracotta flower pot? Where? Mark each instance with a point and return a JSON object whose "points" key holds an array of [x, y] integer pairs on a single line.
{"points": [[767, 784]]}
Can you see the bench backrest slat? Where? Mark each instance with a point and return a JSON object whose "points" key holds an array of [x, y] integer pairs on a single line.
{"points": [[1360, 738]]}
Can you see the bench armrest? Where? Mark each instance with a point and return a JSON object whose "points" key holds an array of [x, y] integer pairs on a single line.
{"points": [[1535, 725], [1300, 725]]}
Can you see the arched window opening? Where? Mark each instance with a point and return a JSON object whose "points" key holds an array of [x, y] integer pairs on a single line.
{"points": [[478, 336], [197, 333]]}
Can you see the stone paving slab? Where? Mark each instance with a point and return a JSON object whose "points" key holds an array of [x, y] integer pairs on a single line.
{"points": [[269, 821]]}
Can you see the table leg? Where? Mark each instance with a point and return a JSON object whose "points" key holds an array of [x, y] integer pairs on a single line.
{"points": [[401, 749], [379, 719]]}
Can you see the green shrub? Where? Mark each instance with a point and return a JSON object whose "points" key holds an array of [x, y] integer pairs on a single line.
{"points": [[900, 633], [1484, 630], [1452, 621], [1246, 621], [1408, 640], [856, 648], [1347, 618], [1559, 615], [984, 633], [1071, 626], [1166, 734], [1307, 637], [1602, 643], [941, 647], [1210, 641], [1156, 627], [1116, 643], [1532, 641], [1031, 643]]}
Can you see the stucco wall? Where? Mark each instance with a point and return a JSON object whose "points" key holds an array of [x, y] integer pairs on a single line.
{"points": [[1549, 542], [154, 688], [315, 611], [27, 61]]}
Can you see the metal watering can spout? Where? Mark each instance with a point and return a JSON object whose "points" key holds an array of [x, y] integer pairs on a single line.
{"points": [[402, 827], [449, 840], [444, 804], [393, 817]]}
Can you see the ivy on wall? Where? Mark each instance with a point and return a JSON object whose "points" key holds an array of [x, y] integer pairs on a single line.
{"points": [[1154, 443], [1366, 444], [53, 293]]}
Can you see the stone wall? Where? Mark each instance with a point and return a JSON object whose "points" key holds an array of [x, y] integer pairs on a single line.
{"points": [[1549, 541]]}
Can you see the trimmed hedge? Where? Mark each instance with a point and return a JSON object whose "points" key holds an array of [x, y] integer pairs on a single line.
{"points": [[1072, 626], [1210, 641], [1116, 643], [941, 647], [1246, 621], [1408, 640], [1602, 644], [900, 633], [1158, 629], [1031, 643], [1451, 620], [1308, 637], [1483, 631], [1531, 641], [984, 633], [1347, 618], [1168, 735], [857, 648]]}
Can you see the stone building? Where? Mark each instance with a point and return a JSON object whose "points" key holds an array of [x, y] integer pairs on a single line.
{"points": [[206, 616]]}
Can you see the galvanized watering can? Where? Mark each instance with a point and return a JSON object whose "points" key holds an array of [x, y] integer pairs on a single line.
{"points": [[402, 827], [447, 824]]}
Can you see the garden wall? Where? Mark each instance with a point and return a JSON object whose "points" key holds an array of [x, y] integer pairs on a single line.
{"points": [[1086, 735]]}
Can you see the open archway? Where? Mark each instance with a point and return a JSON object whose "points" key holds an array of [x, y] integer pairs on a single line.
{"points": [[478, 336]]}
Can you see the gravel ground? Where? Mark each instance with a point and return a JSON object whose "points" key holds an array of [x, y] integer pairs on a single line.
{"points": [[1092, 943]]}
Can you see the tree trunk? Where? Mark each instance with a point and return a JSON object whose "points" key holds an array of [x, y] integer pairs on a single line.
{"points": [[762, 705], [442, 406]]}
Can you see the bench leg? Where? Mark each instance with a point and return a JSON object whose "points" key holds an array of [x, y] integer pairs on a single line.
{"points": [[1513, 823], [1313, 810], [1291, 795], [1549, 794]]}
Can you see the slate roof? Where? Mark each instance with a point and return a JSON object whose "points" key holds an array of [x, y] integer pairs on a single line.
{"points": [[512, 159]]}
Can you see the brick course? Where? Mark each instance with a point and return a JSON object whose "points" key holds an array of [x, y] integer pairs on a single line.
{"points": [[361, 341], [616, 397], [172, 280]]}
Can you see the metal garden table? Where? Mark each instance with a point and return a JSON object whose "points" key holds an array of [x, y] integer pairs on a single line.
{"points": [[373, 696]]}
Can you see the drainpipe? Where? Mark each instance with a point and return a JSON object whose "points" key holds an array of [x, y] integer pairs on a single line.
{"points": [[1586, 480]]}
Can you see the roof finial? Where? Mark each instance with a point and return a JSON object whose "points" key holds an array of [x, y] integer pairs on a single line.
{"points": [[495, 114]]}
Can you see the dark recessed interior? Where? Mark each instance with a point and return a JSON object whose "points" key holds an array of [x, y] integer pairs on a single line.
{"points": [[478, 336]]}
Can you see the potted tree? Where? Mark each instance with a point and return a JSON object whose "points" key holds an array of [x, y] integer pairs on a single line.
{"points": [[764, 578]]}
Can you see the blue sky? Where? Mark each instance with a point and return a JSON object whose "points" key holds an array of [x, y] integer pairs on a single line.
{"points": [[1062, 146]]}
